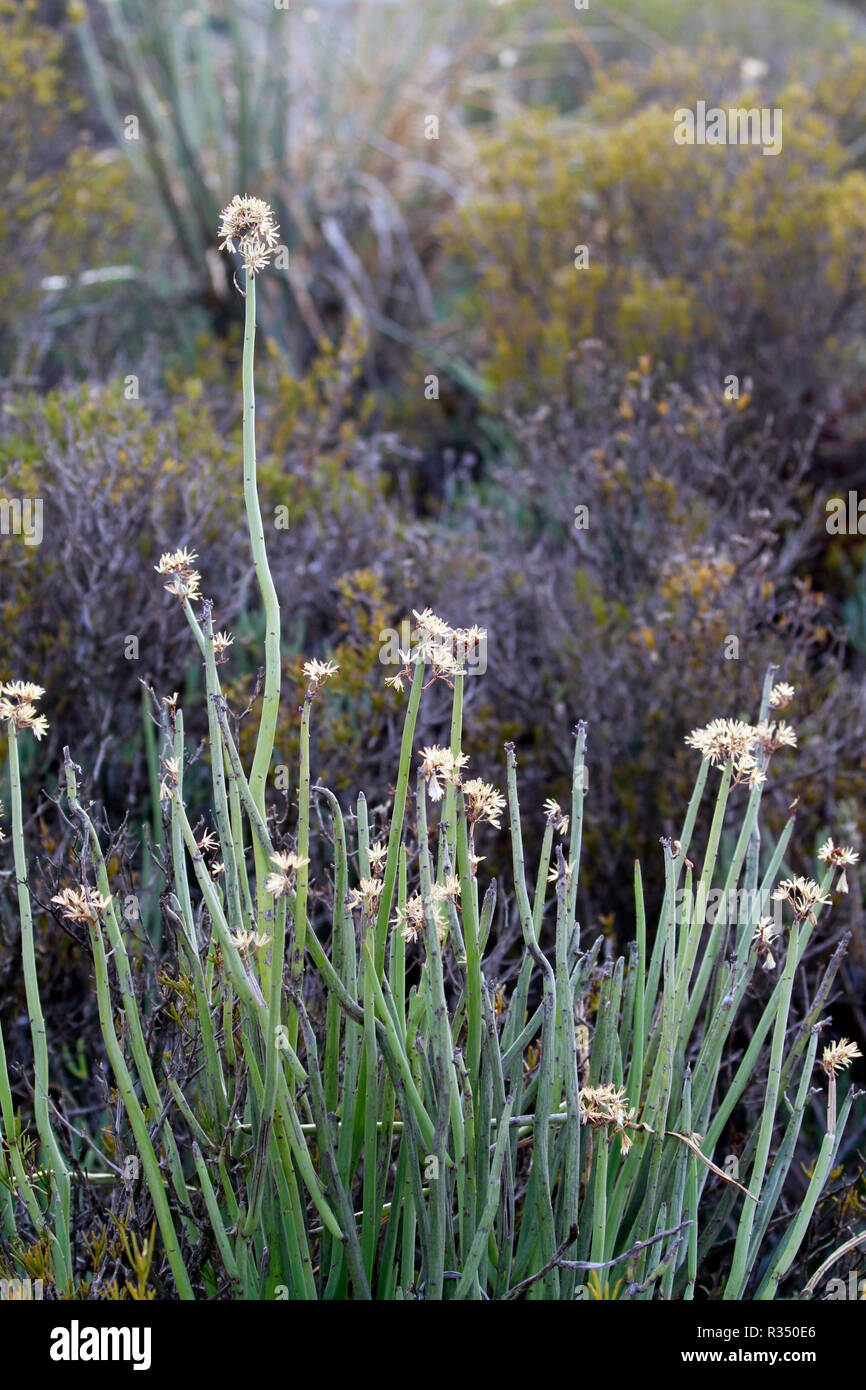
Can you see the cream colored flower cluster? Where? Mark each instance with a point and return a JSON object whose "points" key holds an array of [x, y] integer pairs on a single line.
{"points": [[742, 744], [184, 580], [444, 648], [441, 767], [601, 1106], [247, 225], [18, 707]]}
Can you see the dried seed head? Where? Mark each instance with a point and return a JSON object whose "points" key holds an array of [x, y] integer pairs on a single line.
{"points": [[247, 225], [781, 695], [287, 865], [607, 1105], [448, 890], [554, 813], [185, 580], [466, 639], [431, 626], [23, 691], [803, 894], [840, 856], [377, 855], [171, 779], [439, 765], [724, 739], [839, 1055], [774, 736], [484, 804], [18, 707], [317, 672], [442, 659], [411, 920], [368, 893], [81, 904], [444, 648], [553, 876], [765, 934], [245, 939]]}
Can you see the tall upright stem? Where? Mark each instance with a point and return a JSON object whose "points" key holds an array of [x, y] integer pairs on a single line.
{"points": [[740, 1270], [271, 700], [59, 1172]]}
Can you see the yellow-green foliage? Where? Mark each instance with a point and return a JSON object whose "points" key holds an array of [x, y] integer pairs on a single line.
{"points": [[689, 248], [65, 207]]}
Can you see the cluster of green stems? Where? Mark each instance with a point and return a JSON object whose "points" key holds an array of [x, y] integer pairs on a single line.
{"points": [[352, 1136]]}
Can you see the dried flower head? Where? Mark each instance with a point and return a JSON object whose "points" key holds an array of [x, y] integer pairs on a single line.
{"points": [[804, 895], [729, 739], [732, 739], [367, 893], [840, 856], [411, 920], [439, 766], [317, 672], [286, 865], [722, 739], [466, 639], [443, 661], [839, 1055], [430, 626], [445, 648], [409, 659], [249, 222], [221, 643], [554, 813], [245, 939], [184, 580], [484, 804], [553, 876], [765, 934], [170, 781], [607, 1105], [18, 707], [377, 855], [774, 736], [448, 890], [81, 904], [23, 691], [781, 695]]}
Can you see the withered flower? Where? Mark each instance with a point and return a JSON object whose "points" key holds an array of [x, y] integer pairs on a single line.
{"points": [[81, 904], [249, 222], [286, 865], [840, 856], [18, 707]]}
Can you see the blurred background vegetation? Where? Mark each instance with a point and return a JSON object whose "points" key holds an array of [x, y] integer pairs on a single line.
{"points": [[123, 130]]}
